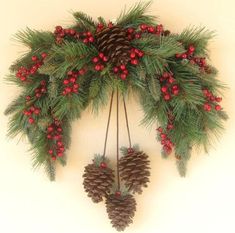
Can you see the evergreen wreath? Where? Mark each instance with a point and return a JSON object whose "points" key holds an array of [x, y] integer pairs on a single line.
{"points": [[89, 63]]}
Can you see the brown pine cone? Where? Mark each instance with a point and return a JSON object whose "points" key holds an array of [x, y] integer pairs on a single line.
{"points": [[134, 170], [98, 180], [113, 42], [121, 209]]}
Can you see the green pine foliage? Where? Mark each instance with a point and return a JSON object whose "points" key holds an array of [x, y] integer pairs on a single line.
{"points": [[193, 126]]}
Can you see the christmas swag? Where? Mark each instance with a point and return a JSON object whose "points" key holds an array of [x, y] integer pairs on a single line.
{"points": [[89, 63]]}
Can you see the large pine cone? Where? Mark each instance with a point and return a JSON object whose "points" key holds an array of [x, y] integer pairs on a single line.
{"points": [[134, 170], [98, 180], [113, 42], [121, 209]]}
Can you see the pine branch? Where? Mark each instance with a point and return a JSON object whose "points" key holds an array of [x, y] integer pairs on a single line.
{"points": [[35, 39], [197, 36], [85, 20], [136, 16]]}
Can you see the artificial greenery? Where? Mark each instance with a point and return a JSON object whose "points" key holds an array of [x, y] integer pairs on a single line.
{"points": [[196, 117]]}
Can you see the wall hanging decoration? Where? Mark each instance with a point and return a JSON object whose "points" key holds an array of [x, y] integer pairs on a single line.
{"points": [[92, 62]]}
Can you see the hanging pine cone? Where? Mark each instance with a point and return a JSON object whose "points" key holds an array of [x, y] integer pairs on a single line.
{"points": [[98, 179], [121, 209], [134, 170], [113, 42]]}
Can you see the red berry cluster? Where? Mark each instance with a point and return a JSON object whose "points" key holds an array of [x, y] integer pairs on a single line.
{"points": [[99, 61], [132, 34], [30, 112], [158, 29], [135, 55], [165, 140], [87, 37], [103, 165], [60, 33], [101, 26], [211, 101], [23, 73], [54, 133], [70, 82], [121, 71], [41, 90], [168, 86], [189, 54]]}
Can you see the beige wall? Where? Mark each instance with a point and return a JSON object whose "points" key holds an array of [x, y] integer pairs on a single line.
{"points": [[202, 202]]}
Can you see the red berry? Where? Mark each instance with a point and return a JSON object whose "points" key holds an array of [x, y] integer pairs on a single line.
{"points": [[97, 67], [82, 71], [23, 78], [175, 92], [140, 53], [66, 82], [61, 149], [175, 87], [44, 55], [191, 49], [28, 97], [218, 107], [59, 129], [134, 62], [31, 120], [59, 143], [100, 25], [85, 41], [43, 90], [103, 165], [37, 111], [132, 55], [105, 59], [184, 56], [125, 72], [72, 80], [34, 58], [137, 36], [171, 80], [115, 69], [49, 136], [130, 30], [101, 55], [72, 32], [95, 59], [164, 89], [53, 158], [167, 149], [122, 67], [143, 27], [170, 126], [167, 97], [160, 129], [60, 154], [118, 194], [50, 129], [68, 89], [91, 39], [218, 99], [38, 95], [50, 151], [151, 29], [207, 107], [123, 76], [58, 29], [163, 136]]}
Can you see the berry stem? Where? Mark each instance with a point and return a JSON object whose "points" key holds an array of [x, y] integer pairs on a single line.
{"points": [[127, 122], [107, 128], [118, 177]]}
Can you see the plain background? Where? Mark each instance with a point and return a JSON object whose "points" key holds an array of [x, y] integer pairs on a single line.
{"points": [[202, 202]]}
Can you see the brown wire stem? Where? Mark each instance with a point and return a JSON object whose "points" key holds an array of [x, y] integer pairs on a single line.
{"points": [[127, 123], [118, 177], [107, 128]]}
